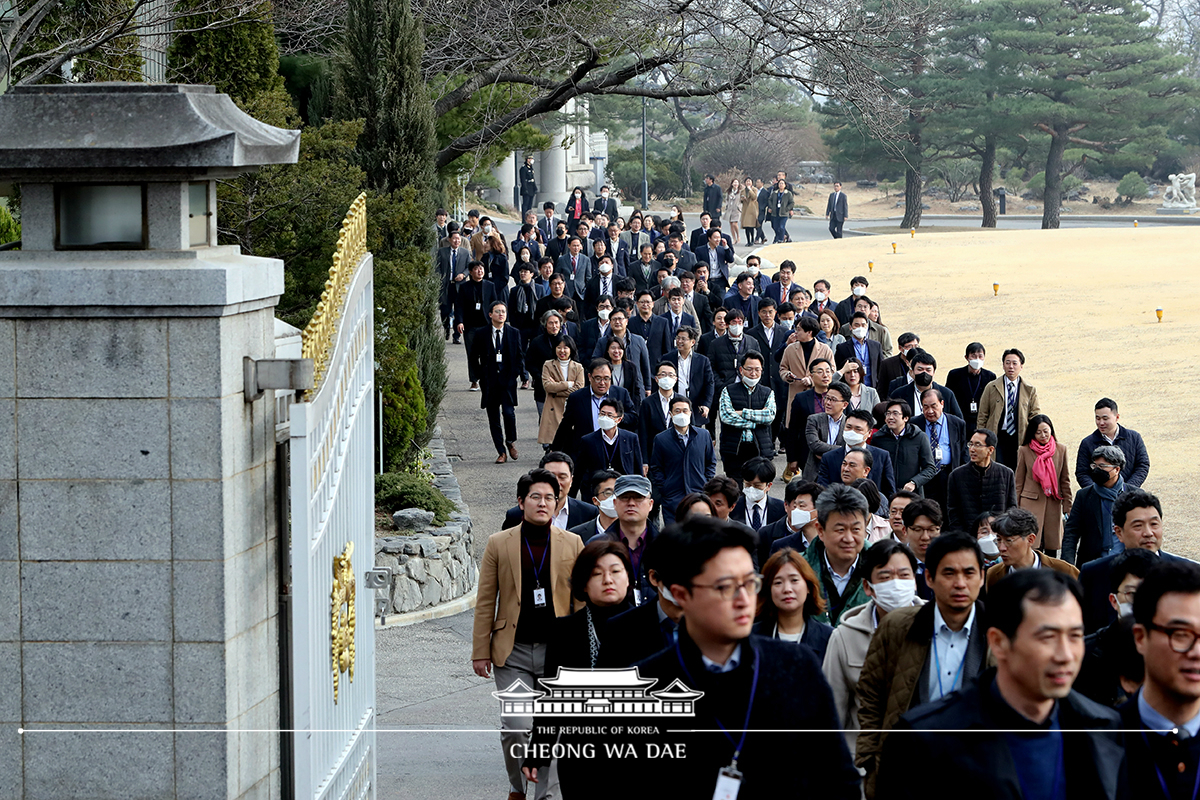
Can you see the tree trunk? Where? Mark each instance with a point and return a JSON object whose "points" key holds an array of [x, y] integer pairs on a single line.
{"points": [[986, 170], [1052, 197], [685, 167], [912, 199]]}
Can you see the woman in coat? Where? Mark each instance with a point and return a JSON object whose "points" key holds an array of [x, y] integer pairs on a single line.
{"points": [[625, 373], [779, 208], [860, 396], [830, 325], [790, 600], [750, 212], [495, 264], [1044, 482], [733, 209], [560, 376], [575, 207], [541, 349]]}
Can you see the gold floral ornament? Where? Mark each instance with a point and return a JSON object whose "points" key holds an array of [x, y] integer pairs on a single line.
{"points": [[341, 617]]}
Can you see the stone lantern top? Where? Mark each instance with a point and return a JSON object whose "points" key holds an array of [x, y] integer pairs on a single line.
{"points": [[134, 131]]}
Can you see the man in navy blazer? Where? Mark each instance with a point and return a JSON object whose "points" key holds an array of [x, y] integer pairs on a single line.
{"points": [[613, 449], [654, 329], [583, 407], [701, 382], [882, 474], [593, 329], [711, 252], [498, 360], [654, 416], [933, 414], [845, 351], [576, 266], [780, 289], [562, 466], [683, 459], [909, 389], [1137, 523], [699, 236]]}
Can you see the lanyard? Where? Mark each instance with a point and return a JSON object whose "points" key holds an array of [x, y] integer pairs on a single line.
{"points": [[937, 665], [737, 748], [537, 574], [1162, 782], [1058, 771]]}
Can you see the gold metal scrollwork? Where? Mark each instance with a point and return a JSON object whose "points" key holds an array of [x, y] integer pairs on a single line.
{"points": [[341, 617]]}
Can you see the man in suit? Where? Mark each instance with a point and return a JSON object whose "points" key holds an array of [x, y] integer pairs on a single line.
{"points": [[822, 299], [684, 259], [549, 222], [610, 447], [798, 527], [712, 198], [602, 497], [527, 238], [642, 271], [473, 302], [836, 211], [675, 316], [772, 338], [1109, 431], [717, 258], [755, 507], [602, 284], [699, 236], [701, 307], [528, 185], [1016, 532], [525, 583], [858, 288], [897, 365], [655, 414], [742, 297], [617, 248], [581, 415], [947, 440], [633, 237], [1006, 406], [575, 266], [1137, 523], [596, 327], [876, 465], [967, 383], [452, 268], [605, 204], [859, 346], [695, 379], [655, 330], [804, 404], [764, 192], [780, 290], [875, 331], [683, 458], [556, 248], [636, 351], [909, 388], [498, 357], [823, 430], [726, 352], [567, 512], [719, 329]]}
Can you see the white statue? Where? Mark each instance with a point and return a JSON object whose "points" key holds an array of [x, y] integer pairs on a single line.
{"points": [[1182, 193]]}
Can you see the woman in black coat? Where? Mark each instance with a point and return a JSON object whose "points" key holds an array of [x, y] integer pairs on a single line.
{"points": [[575, 207], [630, 376], [495, 265], [541, 350], [789, 602]]}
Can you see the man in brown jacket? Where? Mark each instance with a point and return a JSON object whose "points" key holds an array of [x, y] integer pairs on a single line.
{"points": [[1016, 531], [919, 655], [1006, 406], [524, 584]]}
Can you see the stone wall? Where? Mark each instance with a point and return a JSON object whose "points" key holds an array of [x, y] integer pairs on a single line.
{"points": [[430, 565]]}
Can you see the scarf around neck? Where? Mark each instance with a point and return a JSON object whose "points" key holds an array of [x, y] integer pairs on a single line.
{"points": [[1043, 466]]}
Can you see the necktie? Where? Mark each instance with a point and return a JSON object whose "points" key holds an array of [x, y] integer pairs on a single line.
{"points": [[573, 265], [1010, 426], [604, 287], [756, 520], [453, 254], [497, 340], [675, 327], [933, 430]]}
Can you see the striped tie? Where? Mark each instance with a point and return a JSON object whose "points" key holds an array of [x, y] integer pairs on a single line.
{"points": [[1010, 427]]}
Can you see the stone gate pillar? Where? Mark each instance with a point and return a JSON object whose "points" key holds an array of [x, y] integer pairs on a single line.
{"points": [[138, 542]]}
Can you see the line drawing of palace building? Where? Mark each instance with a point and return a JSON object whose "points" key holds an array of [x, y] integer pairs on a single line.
{"points": [[598, 692]]}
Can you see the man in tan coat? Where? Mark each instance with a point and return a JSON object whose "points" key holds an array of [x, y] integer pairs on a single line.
{"points": [[801, 351], [1005, 407], [1016, 532], [920, 655], [524, 584]]}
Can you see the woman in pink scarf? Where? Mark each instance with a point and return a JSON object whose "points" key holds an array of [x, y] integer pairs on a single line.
{"points": [[1044, 482]]}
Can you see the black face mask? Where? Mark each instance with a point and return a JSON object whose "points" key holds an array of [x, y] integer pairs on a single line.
{"points": [[923, 379], [1098, 476]]}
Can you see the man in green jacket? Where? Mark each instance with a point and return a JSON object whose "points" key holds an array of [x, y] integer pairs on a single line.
{"points": [[842, 515]]}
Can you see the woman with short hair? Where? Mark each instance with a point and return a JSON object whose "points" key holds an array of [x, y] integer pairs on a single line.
{"points": [[860, 396]]}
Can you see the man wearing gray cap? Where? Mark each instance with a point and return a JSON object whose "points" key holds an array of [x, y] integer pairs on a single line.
{"points": [[631, 496]]}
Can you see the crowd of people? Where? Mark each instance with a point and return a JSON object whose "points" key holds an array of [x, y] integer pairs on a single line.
{"points": [[936, 562]]}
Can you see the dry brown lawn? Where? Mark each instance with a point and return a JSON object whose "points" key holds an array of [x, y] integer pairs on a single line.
{"points": [[1081, 306]]}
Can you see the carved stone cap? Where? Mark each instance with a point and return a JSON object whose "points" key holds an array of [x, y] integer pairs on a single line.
{"points": [[132, 131]]}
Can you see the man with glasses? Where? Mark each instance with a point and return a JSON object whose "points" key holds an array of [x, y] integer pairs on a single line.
{"points": [[1164, 756], [1016, 530], [982, 485], [694, 374], [610, 447], [581, 415], [524, 584], [747, 409], [1112, 668], [603, 481], [749, 684], [922, 523], [633, 504]]}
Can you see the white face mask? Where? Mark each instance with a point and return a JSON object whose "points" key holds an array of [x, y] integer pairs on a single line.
{"points": [[666, 593], [605, 268], [666, 384], [800, 517], [604, 195], [735, 330], [1124, 609], [988, 545], [487, 228], [753, 268], [976, 363], [859, 291], [820, 297], [681, 420], [754, 494], [603, 314], [896, 593], [578, 195], [607, 423], [608, 507], [859, 333], [750, 382], [784, 324], [853, 438]]}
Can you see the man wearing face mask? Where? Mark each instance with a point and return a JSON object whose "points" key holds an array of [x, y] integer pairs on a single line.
{"points": [[798, 528], [867, 353], [694, 373], [858, 288], [967, 383], [875, 331], [747, 408], [596, 326], [631, 498], [655, 415], [821, 298], [479, 239], [897, 365], [609, 447], [606, 205], [1016, 531], [603, 482], [726, 351], [854, 434], [1100, 675], [889, 579], [920, 377], [601, 284], [682, 459], [754, 508], [1088, 533]]}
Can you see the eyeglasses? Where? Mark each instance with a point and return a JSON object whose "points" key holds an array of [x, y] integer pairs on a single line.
{"points": [[921, 531], [1128, 594], [727, 590], [604, 494], [1182, 640], [1103, 466], [977, 446], [752, 370], [541, 498], [609, 415]]}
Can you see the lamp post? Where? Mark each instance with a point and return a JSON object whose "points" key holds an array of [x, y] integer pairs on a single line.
{"points": [[645, 181]]}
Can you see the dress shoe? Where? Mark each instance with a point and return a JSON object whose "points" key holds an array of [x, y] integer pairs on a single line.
{"points": [[512, 450], [456, 339], [475, 386], [502, 459], [516, 796]]}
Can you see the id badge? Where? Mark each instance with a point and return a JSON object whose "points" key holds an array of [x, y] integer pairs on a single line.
{"points": [[729, 782], [974, 407], [539, 598], [937, 454], [479, 306], [637, 597], [499, 357]]}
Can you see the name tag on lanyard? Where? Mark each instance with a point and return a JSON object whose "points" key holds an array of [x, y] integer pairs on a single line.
{"points": [[539, 598]]}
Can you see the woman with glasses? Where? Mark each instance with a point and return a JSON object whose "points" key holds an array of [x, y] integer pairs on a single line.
{"points": [[790, 600], [1044, 482]]}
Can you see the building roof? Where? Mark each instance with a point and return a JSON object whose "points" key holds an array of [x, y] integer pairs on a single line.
{"points": [[517, 690], [571, 678], [677, 691]]}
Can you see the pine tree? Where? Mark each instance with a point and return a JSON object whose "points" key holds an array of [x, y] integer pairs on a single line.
{"points": [[241, 60]]}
